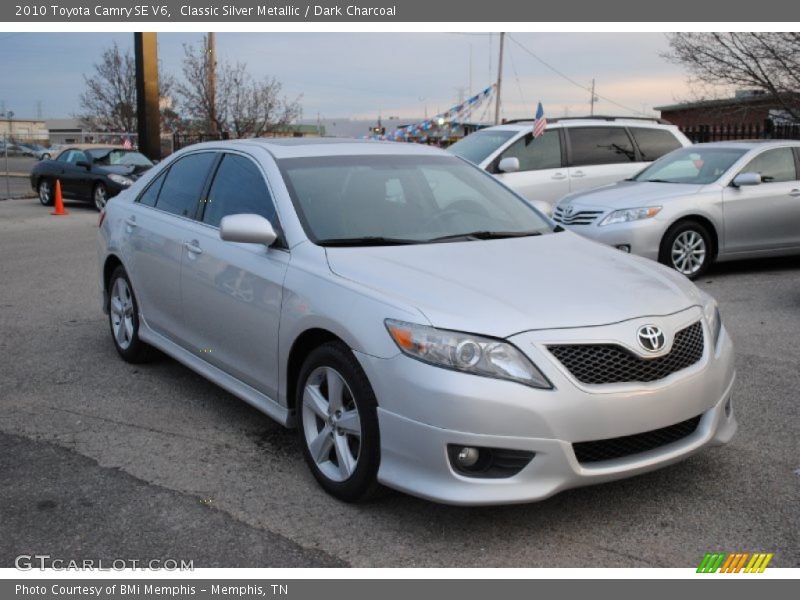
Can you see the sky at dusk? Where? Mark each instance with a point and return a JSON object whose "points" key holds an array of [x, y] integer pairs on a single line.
{"points": [[359, 75]]}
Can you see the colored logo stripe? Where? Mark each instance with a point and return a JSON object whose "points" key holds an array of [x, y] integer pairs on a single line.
{"points": [[735, 562]]}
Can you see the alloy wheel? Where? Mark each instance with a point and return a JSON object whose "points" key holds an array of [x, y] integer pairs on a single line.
{"points": [[121, 308], [331, 423], [688, 252], [100, 196], [45, 192]]}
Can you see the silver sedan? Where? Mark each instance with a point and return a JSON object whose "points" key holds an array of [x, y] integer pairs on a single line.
{"points": [[709, 202], [419, 323]]}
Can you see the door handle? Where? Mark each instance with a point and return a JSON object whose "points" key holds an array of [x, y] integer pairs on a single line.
{"points": [[794, 193], [577, 173], [193, 247], [130, 221], [559, 176]]}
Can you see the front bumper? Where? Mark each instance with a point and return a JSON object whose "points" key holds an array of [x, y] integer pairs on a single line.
{"points": [[642, 237], [424, 408]]}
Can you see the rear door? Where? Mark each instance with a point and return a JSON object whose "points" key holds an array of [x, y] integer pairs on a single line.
{"points": [[599, 155], [765, 216], [231, 291], [542, 175], [157, 229]]}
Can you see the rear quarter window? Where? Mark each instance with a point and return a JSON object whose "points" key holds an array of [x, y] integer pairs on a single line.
{"points": [[654, 143]]}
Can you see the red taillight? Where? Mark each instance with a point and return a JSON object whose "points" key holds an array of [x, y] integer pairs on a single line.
{"points": [[102, 218]]}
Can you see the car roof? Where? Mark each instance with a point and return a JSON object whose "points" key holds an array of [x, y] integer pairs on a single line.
{"points": [[93, 147], [751, 144], [522, 124], [306, 147]]}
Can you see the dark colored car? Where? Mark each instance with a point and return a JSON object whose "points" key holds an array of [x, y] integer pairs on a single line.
{"points": [[88, 172]]}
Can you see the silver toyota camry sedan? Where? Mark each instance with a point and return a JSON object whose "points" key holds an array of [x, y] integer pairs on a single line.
{"points": [[419, 323], [710, 202]]}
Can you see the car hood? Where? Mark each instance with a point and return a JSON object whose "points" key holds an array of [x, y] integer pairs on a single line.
{"points": [[503, 287], [127, 170], [630, 194]]}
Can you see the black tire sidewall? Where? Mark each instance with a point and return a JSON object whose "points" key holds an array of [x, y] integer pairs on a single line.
{"points": [[665, 252], [363, 482]]}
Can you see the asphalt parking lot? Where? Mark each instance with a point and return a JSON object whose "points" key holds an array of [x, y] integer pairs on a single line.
{"points": [[101, 459]]}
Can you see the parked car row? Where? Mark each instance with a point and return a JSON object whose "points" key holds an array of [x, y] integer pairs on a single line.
{"points": [[36, 151], [420, 324]]}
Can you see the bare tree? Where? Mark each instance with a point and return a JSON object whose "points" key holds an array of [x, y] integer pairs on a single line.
{"points": [[243, 105], [109, 99], [768, 62]]}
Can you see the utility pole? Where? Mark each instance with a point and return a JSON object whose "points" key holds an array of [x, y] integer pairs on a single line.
{"points": [[499, 81], [211, 69], [148, 115], [592, 101]]}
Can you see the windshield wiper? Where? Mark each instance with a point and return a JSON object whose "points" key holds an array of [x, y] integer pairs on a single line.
{"points": [[484, 235], [366, 241], [657, 180]]}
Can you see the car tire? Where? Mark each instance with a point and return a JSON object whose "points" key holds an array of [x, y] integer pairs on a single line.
{"points": [[46, 193], [123, 319], [688, 248], [99, 195], [337, 422]]}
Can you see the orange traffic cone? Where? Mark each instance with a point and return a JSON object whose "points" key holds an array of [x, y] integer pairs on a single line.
{"points": [[60, 210]]}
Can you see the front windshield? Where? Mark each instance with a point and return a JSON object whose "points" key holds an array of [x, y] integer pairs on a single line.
{"points": [[403, 199], [126, 158], [477, 146], [696, 165]]}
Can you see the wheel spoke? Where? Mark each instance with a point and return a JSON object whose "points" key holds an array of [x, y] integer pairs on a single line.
{"points": [[347, 463], [128, 323], [350, 423], [320, 446], [314, 399], [116, 306], [119, 332], [335, 390]]}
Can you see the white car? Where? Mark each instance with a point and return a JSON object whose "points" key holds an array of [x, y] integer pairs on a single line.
{"points": [[573, 154]]}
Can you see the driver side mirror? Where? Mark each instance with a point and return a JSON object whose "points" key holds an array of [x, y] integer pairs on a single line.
{"points": [[82, 163], [510, 164], [743, 179], [247, 228]]}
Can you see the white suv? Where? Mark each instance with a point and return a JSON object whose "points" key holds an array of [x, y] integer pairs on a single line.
{"points": [[574, 153]]}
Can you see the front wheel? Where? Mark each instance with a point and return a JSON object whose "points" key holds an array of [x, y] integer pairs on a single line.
{"points": [[45, 190], [100, 196], [687, 248], [338, 423]]}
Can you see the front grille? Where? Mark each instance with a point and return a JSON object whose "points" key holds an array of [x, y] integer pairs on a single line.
{"points": [[581, 217], [610, 363], [599, 450]]}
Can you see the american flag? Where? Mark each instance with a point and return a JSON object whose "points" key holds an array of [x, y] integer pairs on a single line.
{"points": [[126, 143], [540, 122]]}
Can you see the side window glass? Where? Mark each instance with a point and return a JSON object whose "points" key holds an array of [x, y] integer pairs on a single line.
{"points": [[238, 187], [534, 154], [184, 183], [773, 165], [654, 143], [600, 146], [150, 195]]}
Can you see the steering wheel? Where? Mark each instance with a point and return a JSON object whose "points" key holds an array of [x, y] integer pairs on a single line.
{"points": [[456, 209]]}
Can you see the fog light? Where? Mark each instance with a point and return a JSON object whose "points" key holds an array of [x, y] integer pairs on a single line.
{"points": [[467, 457], [625, 248]]}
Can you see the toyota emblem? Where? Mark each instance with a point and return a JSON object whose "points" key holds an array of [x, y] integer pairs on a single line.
{"points": [[651, 338]]}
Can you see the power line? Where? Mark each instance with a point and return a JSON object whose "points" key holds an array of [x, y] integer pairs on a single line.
{"points": [[569, 79], [516, 76]]}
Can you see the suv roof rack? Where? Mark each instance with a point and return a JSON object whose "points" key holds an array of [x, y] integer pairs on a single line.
{"points": [[591, 118]]}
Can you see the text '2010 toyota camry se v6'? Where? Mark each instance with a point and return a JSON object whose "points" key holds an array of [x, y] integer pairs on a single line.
{"points": [[418, 322]]}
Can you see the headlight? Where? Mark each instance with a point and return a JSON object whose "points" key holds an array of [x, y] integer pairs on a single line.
{"points": [[466, 352], [713, 318], [630, 214], [120, 179]]}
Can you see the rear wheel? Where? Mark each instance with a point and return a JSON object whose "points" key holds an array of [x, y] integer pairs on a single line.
{"points": [[100, 196], [123, 318], [338, 423], [45, 190], [687, 247]]}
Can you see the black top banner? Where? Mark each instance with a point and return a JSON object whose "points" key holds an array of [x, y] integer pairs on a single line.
{"points": [[398, 11]]}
